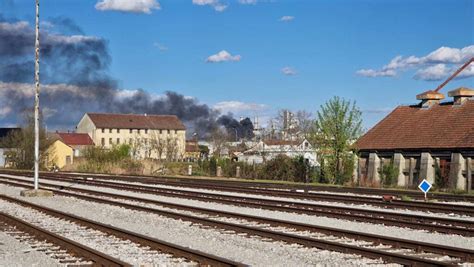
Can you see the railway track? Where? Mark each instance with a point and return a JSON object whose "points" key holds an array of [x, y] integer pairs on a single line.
{"points": [[229, 183], [396, 250], [328, 197], [65, 251], [430, 223], [394, 204], [128, 237]]}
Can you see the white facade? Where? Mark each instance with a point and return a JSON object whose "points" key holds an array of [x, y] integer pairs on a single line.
{"points": [[2, 157], [145, 143], [264, 151]]}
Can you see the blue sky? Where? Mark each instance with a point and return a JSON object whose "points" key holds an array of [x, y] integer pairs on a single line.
{"points": [[324, 45]]}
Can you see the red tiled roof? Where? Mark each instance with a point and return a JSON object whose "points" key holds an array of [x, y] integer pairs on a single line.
{"points": [[136, 121], [76, 139], [442, 126]]}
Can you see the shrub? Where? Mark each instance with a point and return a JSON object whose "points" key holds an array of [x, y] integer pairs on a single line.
{"points": [[388, 174]]}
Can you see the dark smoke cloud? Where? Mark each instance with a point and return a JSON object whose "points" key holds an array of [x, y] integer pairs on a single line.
{"points": [[240, 130], [66, 25], [75, 80]]}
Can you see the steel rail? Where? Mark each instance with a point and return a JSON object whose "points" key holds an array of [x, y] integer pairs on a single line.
{"points": [[394, 204], [229, 183], [156, 244], [443, 225], [463, 254], [73, 248]]}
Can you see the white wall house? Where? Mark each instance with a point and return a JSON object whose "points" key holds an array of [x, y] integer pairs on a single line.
{"points": [[150, 136], [5, 147], [269, 149]]}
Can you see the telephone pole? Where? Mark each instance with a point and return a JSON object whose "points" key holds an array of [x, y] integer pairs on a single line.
{"points": [[37, 91]]}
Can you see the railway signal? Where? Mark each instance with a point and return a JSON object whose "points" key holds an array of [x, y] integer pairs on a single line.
{"points": [[425, 186]]}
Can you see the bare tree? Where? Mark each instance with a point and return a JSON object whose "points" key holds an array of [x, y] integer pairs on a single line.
{"points": [[305, 122], [157, 145], [171, 149], [136, 145], [218, 140]]}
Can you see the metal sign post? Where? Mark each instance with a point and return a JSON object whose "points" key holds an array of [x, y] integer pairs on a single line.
{"points": [[425, 186], [37, 91]]}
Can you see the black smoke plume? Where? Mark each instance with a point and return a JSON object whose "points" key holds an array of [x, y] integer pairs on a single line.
{"points": [[75, 80], [237, 129]]}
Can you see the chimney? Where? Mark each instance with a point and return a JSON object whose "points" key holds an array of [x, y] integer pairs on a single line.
{"points": [[429, 98], [460, 95]]}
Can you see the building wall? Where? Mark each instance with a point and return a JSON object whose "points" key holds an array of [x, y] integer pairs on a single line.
{"points": [[59, 154], [139, 139], [2, 158], [255, 155], [416, 166]]}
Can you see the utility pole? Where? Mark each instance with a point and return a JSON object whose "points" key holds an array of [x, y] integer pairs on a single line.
{"points": [[37, 91]]}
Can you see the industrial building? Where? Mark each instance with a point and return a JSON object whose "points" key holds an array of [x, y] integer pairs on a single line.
{"points": [[432, 140]]}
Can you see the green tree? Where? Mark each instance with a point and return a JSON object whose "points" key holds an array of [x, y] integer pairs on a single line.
{"points": [[338, 125], [388, 174]]}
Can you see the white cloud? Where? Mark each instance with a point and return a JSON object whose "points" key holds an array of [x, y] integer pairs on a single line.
{"points": [[4, 111], [376, 73], [287, 18], [133, 6], [436, 65], [223, 56], [248, 2], [216, 4], [289, 71], [237, 106], [161, 47], [20, 26], [73, 39], [432, 73]]}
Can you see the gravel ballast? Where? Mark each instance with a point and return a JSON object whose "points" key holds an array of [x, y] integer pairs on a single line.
{"points": [[417, 235], [16, 253], [253, 251]]}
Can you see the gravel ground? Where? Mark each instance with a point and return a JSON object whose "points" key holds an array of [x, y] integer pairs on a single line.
{"points": [[16, 253], [249, 250], [419, 235], [362, 206], [122, 249]]}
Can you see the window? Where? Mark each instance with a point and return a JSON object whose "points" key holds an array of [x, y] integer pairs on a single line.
{"points": [[161, 131], [138, 130], [103, 130], [110, 130], [176, 131], [145, 141], [146, 131], [118, 130], [131, 130], [118, 141], [169, 131], [130, 141], [102, 141], [110, 141]]}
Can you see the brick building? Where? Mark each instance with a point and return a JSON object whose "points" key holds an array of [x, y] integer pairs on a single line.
{"points": [[424, 141]]}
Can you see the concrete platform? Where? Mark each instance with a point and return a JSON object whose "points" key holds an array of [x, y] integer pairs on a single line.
{"points": [[36, 193]]}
